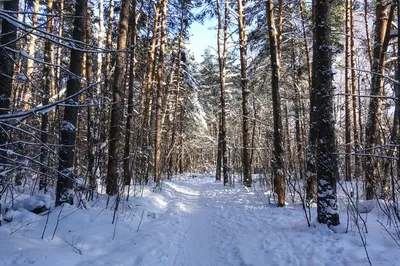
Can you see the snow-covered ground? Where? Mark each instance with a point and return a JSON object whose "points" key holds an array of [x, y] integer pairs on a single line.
{"points": [[194, 221]]}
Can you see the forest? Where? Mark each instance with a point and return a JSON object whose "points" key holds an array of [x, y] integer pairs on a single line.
{"points": [[118, 147]]}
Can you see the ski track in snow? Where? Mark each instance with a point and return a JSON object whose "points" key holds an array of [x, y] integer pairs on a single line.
{"points": [[203, 223]]}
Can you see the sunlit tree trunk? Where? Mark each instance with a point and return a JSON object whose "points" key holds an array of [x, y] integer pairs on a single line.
{"points": [[131, 89], [91, 119], [347, 87], [278, 167], [160, 81], [148, 96], [356, 117], [374, 118]]}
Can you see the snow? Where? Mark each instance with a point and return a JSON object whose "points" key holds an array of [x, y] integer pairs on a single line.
{"points": [[33, 202], [68, 126], [193, 221]]}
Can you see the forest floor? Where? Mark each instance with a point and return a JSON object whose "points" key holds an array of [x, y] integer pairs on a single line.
{"points": [[193, 221]]}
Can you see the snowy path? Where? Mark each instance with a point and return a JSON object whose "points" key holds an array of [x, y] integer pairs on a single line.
{"points": [[194, 222], [208, 224]]}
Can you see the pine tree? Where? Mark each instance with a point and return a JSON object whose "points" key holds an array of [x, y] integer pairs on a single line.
{"points": [[374, 120], [246, 163], [66, 154], [222, 42], [278, 167], [322, 89], [160, 86], [116, 109]]}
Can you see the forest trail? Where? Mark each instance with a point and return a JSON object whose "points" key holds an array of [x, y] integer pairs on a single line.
{"points": [[194, 221], [208, 224]]}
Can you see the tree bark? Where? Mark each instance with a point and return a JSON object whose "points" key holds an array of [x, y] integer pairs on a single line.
{"points": [[372, 138], [176, 104], [356, 117], [8, 35], [151, 66], [311, 173], [347, 86], [48, 82], [278, 166], [105, 112], [322, 88], [66, 175], [247, 180], [222, 40], [131, 89], [160, 86], [116, 109], [148, 97], [91, 119]]}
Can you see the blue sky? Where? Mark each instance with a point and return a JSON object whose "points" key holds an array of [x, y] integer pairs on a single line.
{"points": [[202, 36]]}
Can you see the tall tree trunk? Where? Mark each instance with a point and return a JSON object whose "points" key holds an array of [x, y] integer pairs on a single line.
{"points": [[160, 81], [8, 35], [222, 40], [116, 109], [176, 102], [68, 131], [91, 119], [247, 181], [106, 69], [151, 66], [131, 89], [311, 173], [297, 109], [101, 113], [148, 90], [375, 104], [278, 166], [322, 88], [48, 82], [347, 87], [356, 117]]}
